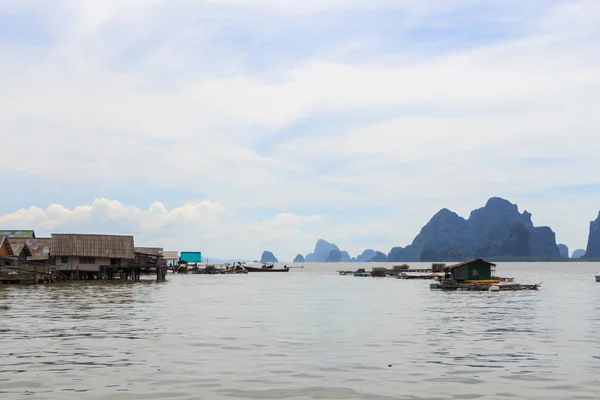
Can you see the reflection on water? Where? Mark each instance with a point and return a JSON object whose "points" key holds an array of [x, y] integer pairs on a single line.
{"points": [[307, 334]]}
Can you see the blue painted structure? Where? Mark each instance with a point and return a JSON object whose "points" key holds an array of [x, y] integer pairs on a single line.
{"points": [[191, 256]]}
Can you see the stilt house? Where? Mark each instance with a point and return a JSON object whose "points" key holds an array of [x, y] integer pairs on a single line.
{"points": [[39, 247], [90, 252], [148, 255], [13, 253]]}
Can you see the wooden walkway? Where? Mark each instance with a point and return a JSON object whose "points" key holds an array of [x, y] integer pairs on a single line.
{"points": [[32, 274], [132, 272], [28, 274]]}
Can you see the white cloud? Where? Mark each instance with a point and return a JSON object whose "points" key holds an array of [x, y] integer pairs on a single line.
{"points": [[57, 218], [203, 225], [99, 12], [462, 126]]}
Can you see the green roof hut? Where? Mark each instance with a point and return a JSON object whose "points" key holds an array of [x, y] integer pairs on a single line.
{"points": [[472, 270]]}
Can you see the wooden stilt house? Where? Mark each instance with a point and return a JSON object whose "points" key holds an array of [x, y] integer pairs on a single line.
{"points": [[148, 255], [88, 253], [13, 253], [39, 247]]}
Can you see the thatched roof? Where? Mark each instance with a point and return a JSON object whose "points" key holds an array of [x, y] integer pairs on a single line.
{"points": [[170, 255], [17, 248], [107, 246], [39, 247], [153, 251]]}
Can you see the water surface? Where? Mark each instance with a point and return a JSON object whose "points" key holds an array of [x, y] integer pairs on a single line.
{"points": [[306, 334]]}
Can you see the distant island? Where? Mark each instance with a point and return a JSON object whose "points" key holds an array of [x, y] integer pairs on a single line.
{"points": [[327, 252], [564, 250], [593, 245], [268, 257], [496, 231], [578, 253]]}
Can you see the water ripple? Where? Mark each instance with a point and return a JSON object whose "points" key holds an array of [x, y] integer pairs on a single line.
{"points": [[308, 334]]}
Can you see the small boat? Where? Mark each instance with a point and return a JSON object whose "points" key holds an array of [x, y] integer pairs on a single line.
{"points": [[598, 278], [361, 272], [266, 269]]}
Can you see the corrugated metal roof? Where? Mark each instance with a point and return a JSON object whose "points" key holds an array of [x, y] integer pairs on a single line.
{"points": [[17, 234], [108, 246], [470, 262]]}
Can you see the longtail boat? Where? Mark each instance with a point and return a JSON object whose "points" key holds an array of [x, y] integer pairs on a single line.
{"points": [[266, 269]]}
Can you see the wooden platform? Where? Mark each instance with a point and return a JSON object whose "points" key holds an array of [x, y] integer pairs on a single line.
{"points": [[390, 272], [27, 274], [449, 284], [31, 274]]}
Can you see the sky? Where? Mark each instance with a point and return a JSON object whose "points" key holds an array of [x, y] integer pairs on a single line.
{"points": [[236, 126]]}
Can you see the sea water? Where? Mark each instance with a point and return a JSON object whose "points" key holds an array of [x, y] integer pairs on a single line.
{"points": [[306, 334]]}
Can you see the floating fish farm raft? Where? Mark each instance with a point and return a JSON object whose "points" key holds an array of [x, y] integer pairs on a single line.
{"points": [[472, 275], [449, 284]]}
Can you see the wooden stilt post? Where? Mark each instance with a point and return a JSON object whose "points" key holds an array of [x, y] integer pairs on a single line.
{"points": [[160, 274]]}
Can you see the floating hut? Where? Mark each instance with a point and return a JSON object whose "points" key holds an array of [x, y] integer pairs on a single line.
{"points": [[476, 275], [478, 270]]}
